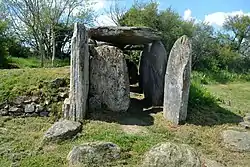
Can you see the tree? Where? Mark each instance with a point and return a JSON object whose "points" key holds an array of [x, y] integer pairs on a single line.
{"points": [[3, 46], [204, 47], [239, 25], [116, 12], [35, 21], [166, 21]]}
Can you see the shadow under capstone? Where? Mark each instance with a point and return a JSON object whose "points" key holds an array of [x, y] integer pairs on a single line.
{"points": [[136, 114]]}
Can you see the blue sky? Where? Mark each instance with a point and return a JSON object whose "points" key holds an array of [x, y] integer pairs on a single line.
{"points": [[213, 12]]}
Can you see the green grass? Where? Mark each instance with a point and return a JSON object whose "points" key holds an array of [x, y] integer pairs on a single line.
{"points": [[208, 114], [233, 96], [34, 62], [222, 77], [18, 82]]}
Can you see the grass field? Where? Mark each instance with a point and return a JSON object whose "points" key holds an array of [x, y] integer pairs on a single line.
{"points": [[33, 62], [135, 131]]}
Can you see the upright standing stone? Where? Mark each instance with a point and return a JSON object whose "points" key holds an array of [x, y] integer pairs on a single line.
{"points": [[177, 81], [152, 72], [79, 73], [109, 81]]}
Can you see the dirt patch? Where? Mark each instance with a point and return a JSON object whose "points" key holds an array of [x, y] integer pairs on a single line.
{"points": [[134, 129]]}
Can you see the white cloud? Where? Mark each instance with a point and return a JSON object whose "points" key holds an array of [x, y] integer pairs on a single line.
{"points": [[218, 18], [104, 20], [98, 4], [187, 15]]}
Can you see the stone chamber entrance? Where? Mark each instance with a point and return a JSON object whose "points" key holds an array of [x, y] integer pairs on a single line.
{"points": [[148, 71], [114, 88]]}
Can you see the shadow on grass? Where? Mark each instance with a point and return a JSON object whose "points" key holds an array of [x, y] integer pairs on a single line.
{"points": [[134, 116], [204, 109]]}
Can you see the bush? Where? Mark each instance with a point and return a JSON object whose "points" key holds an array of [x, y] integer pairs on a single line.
{"points": [[199, 96], [16, 49], [3, 45]]}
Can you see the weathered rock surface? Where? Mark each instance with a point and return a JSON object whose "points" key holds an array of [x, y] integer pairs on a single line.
{"points": [[122, 36], [29, 108], [247, 118], [39, 108], [94, 154], [62, 130], [95, 103], [246, 125], [152, 72], [20, 100], [246, 121], [236, 140], [15, 110], [109, 80], [177, 81], [79, 74], [210, 163], [66, 108], [44, 114], [171, 155], [3, 112]]}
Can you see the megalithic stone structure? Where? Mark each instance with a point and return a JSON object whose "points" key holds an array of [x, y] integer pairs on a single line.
{"points": [[177, 81], [152, 72], [79, 74]]}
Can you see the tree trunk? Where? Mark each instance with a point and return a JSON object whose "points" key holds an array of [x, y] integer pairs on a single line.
{"points": [[79, 74], [239, 43], [41, 52], [53, 47]]}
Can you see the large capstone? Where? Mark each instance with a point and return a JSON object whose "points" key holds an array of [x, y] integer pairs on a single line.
{"points": [[121, 36], [109, 81], [177, 81], [171, 155], [152, 72], [94, 154]]}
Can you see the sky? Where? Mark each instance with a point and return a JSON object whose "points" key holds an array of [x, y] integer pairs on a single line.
{"points": [[212, 12]]}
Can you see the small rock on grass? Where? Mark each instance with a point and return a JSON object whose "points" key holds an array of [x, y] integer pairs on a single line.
{"points": [[246, 125], [236, 140], [3, 112], [171, 155], [94, 154], [29, 108], [62, 130]]}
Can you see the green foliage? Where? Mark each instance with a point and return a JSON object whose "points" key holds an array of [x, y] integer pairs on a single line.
{"points": [[16, 49], [198, 94], [9, 46], [56, 110], [3, 44], [222, 76], [166, 21], [133, 56], [239, 26], [18, 82], [214, 52], [211, 51]]}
